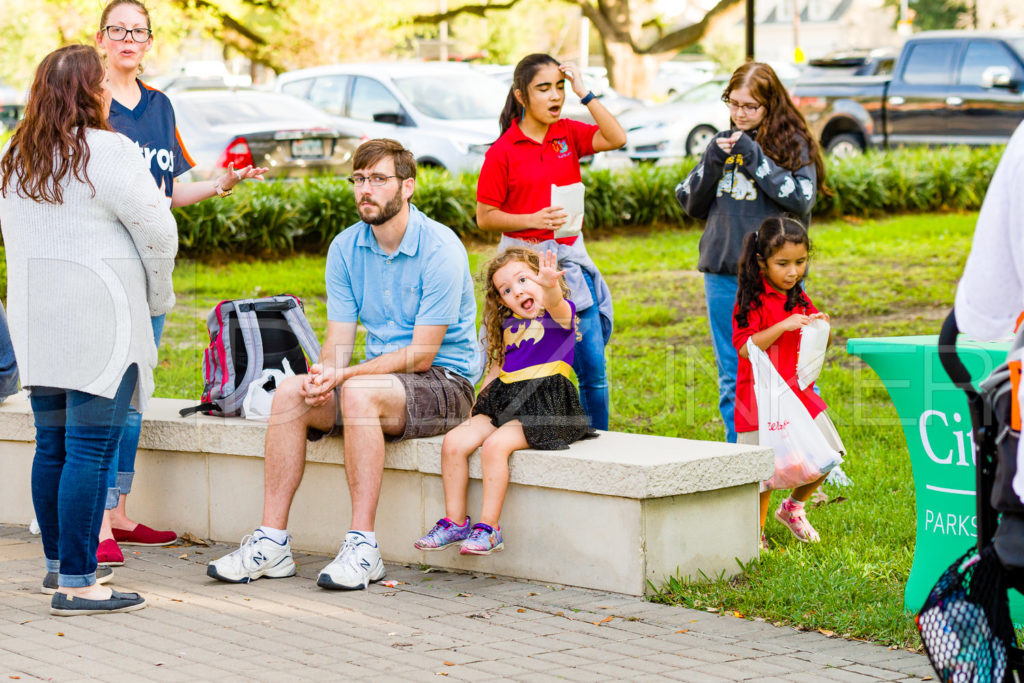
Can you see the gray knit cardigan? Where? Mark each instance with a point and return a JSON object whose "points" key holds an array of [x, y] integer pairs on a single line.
{"points": [[84, 276]]}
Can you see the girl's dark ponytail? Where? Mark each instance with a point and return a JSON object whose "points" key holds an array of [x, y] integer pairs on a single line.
{"points": [[526, 69], [749, 285], [759, 246], [511, 111]]}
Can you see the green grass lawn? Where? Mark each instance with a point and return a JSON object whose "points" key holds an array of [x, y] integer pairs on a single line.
{"points": [[875, 278]]}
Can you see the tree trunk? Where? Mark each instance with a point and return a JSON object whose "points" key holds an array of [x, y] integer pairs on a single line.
{"points": [[629, 73]]}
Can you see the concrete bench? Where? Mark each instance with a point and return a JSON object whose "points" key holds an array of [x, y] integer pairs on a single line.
{"points": [[610, 513]]}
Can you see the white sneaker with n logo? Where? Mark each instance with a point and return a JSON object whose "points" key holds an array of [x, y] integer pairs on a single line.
{"points": [[257, 556], [357, 565]]}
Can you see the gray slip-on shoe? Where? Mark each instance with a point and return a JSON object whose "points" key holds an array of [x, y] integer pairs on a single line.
{"points": [[64, 605], [103, 574]]}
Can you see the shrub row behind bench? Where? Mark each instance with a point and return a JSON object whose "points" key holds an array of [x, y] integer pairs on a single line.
{"points": [[277, 217]]}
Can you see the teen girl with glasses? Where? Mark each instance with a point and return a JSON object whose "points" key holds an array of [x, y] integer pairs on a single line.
{"points": [[767, 165]]}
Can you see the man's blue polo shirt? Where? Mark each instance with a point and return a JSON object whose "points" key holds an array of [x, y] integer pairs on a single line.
{"points": [[425, 282]]}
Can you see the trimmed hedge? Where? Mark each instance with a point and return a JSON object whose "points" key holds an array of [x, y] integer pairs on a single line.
{"points": [[277, 217]]}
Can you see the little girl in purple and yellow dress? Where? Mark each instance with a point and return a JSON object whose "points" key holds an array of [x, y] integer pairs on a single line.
{"points": [[528, 400]]}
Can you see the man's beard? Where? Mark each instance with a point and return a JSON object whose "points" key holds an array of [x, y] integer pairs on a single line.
{"points": [[387, 212]]}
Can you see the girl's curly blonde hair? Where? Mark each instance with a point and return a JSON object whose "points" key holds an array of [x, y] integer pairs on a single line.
{"points": [[495, 310]]}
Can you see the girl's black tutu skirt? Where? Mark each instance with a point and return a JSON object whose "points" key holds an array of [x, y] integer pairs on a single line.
{"points": [[548, 407]]}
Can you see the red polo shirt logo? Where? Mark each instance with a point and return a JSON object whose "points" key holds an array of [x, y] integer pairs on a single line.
{"points": [[560, 147]]}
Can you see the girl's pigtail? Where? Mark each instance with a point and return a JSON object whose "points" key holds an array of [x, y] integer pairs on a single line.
{"points": [[510, 111], [749, 285]]}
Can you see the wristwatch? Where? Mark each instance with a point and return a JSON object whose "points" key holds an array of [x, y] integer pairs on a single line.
{"points": [[587, 98], [221, 192]]}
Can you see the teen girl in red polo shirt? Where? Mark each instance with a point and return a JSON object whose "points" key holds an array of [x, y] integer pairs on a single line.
{"points": [[771, 307], [536, 150]]}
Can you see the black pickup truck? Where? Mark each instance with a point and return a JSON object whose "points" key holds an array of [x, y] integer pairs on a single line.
{"points": [[948, 87]]}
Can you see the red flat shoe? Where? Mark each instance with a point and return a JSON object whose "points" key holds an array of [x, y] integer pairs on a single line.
{"points": [[108, 554], [143, 535]]}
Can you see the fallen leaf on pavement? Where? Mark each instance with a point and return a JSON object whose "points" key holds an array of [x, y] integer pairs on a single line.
{"points": [[559, 614], [192, 539], [60, 634], [737, 615], [15, 677], [531, 593], [183, 556], [440, 673], [603, 621], [177, 600], [684, 630], [464, 595], [521, 610], [447, 663], [830, 634]]}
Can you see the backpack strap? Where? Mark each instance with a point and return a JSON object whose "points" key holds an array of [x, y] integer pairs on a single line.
{"points": [[307, 337], [201, 408]]}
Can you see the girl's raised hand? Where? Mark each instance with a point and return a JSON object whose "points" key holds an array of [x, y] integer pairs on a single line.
{"points": [[820, 316], [575, 78], [548, 273]]}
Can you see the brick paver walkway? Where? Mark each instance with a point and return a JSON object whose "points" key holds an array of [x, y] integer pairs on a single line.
{"points": [[431, 624]]}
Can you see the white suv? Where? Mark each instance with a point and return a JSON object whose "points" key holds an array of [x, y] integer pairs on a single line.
{"points": [[446, 114]]}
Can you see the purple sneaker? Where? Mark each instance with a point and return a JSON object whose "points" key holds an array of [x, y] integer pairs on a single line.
{"points": [[483, 540], [445, 533]]}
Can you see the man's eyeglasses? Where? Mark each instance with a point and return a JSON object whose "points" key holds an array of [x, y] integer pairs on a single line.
{"points": [[374, 180], [119, 33], [748, 109]]}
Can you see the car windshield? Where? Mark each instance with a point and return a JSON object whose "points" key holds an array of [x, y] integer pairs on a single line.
{"points": [[705, 92], [455, 96], [219, 109], [1018, 46]]}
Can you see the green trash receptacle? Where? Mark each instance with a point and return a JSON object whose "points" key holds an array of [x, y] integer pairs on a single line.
{"points": [[937, 426]]}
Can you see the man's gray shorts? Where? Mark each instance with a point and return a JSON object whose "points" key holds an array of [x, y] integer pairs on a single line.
{"points": [[435, 401]]}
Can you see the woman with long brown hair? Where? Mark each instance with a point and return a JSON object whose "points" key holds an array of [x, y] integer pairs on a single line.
{"points": [[767, 165], [90, 245]]}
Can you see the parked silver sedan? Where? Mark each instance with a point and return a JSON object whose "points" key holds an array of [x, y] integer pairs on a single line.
{"points": [[241, 127], [683, 126]]}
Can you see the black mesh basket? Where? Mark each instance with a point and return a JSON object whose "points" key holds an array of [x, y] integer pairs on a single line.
{"points": [[965, 622]]}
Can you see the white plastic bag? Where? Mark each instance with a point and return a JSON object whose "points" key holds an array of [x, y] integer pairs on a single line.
{"points": [[810, 358], [260, 395], [801, 452]]}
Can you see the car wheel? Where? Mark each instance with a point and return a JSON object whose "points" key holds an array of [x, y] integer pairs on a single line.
{"points": [[698, 139], [845, 145]]}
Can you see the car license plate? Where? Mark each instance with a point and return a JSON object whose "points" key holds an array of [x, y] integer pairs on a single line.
{"points": [[315, 148]]}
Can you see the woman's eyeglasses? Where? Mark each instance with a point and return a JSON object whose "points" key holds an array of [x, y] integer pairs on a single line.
{"points": [[748, 109], [119, 33]]}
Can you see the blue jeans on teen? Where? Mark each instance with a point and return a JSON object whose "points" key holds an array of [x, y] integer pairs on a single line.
{"points": [[720, 294], [8, 365], [76, 441], [589, 363], [123, 472]]}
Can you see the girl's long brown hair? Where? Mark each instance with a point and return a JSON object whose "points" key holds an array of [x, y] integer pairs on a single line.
{"points": [[495, 310], [66, 100], [784, 127]]}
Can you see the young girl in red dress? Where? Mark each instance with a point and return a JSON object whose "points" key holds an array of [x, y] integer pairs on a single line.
{"points": [[771, 308]]}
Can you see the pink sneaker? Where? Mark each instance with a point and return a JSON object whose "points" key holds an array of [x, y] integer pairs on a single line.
{"points": [[792, 516]]}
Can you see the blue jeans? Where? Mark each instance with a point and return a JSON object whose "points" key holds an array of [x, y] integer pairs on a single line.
{"points": [[8, 365], [123, 473], [76, 440], [720, 294], [589, 363]]}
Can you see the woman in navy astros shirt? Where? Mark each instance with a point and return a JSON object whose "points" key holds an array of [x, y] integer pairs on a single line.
{"points": [[144, 114]]}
